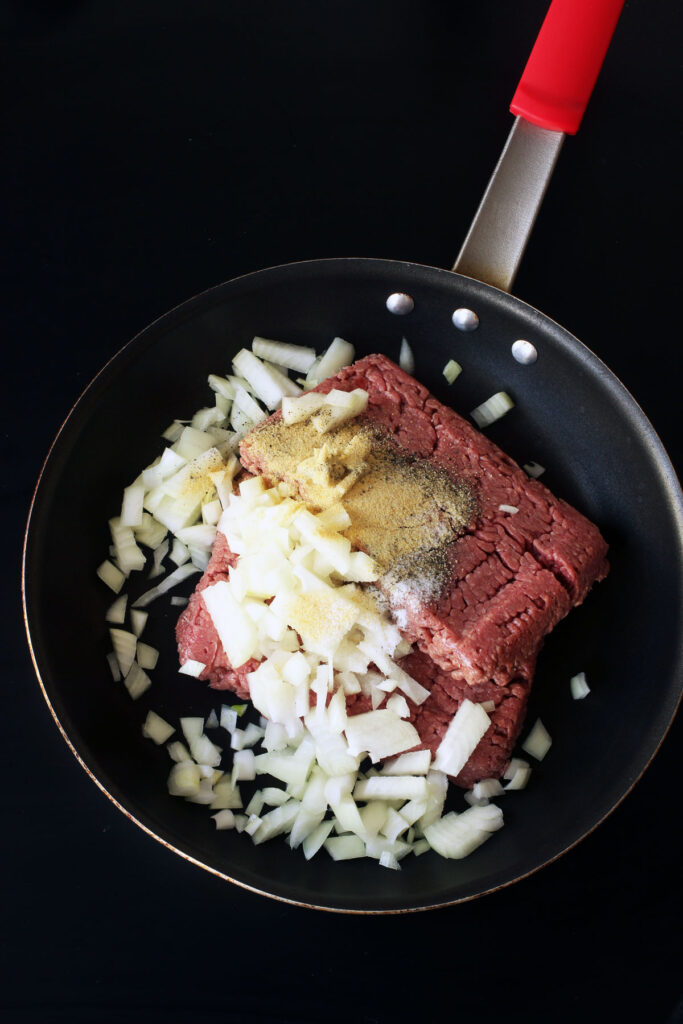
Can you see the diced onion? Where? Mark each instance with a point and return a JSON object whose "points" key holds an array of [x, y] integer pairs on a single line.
{"points": [[492, 409], [125, 645], [114, 666], [224, 819], [345, 847], [339, 354], [112, 576], [192, 668], [538, 741], [406, 359], [184, 779], [146, 656], [388, 859], [136, 681], [116, 612], [515, 764], [510, 509], [452, 370], [172, 580], [131, 505], [579, 686], [380, 733], [264, 381], [294, 357], [138, 620], [520, 778], [534, 469], [156, 728], [464, 732], [457, 835]]}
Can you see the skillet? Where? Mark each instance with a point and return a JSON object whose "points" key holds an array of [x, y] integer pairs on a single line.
{"points": [[571, 415]]}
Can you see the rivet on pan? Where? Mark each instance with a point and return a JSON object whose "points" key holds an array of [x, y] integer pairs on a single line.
{"points": [[465, 320], [524, 352], [400, 303]]}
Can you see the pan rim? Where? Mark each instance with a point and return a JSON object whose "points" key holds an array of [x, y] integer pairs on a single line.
{"points": [[185, 310]]}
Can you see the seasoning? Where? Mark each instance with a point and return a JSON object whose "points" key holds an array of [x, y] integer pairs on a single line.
{"points": [[405, 512]]}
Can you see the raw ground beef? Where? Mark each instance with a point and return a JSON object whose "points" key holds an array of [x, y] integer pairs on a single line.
{"points": [[513, 577]]}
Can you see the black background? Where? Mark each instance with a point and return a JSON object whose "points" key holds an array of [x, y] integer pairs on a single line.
{"points": [[152, 149]]}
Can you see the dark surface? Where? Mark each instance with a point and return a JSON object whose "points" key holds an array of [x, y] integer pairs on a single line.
{"points": [[152, 150]]}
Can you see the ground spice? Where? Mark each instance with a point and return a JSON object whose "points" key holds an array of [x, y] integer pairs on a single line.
{"points": [[405, 512]]}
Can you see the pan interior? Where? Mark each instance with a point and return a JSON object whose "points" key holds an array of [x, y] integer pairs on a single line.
{"points": [[571, 415]]}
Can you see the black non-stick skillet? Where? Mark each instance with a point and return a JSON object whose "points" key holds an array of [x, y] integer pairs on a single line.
{"points": [[571, 415]]}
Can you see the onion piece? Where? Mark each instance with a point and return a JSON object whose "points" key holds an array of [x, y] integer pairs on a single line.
{"points": [[151, 532], [414, 762], [192, 443], [138, 620], [277, 821], [391, 787], [192, 668], [520, 778], [226, 795], [179, 553], [146, 656], [340, 406], [136, 681], [406, 359], [131, 504], [538, 741], [510, 509], [116, 612], [534, 469], [579, 686], [111, 575], [515, 764], [339, 354], [173, 431], [178, 752], [388, 859], [457, 835], [172, 580], [452, 370], [224, 819], [381, 733], [114, 667], [295, 410], [244, 403], [221, 386], [345, 847], [158, 555], [125, 645], [294, 357], [184, 779], [262, 379], [492, 409], [168, 464], [487, 788], [316, 839], [156, 728], [464, 732]]}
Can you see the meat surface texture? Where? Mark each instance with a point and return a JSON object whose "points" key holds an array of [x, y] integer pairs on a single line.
{"points": [[512, 576]]}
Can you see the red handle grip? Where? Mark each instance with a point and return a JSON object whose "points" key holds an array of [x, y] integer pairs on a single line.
{"points": [[560, 74]]}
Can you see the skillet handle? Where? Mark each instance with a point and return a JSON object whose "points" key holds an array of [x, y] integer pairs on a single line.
{"points": [[558, 79], [549, 102]]}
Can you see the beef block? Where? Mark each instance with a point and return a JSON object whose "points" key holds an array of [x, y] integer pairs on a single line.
{"points": [[512, 577]]}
